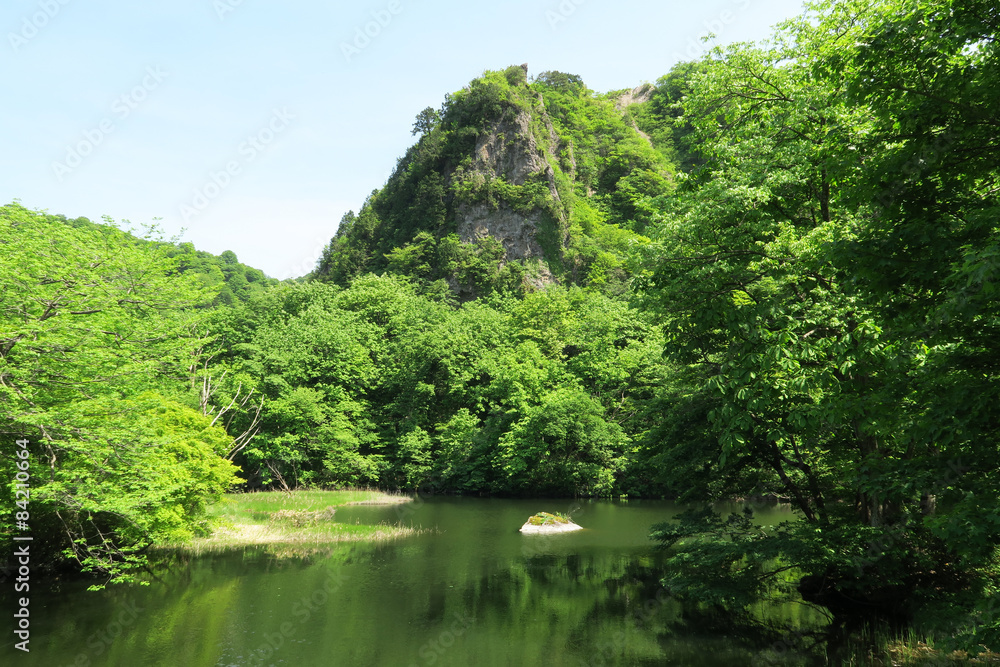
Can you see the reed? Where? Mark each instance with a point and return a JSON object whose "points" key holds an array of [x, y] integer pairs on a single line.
{"points": [[298, 520]]}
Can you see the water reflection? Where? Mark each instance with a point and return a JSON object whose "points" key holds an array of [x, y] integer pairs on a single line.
{"points": [[474, 592]]}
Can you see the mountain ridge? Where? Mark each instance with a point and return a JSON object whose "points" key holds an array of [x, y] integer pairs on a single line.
{"points": [[512, 185]]}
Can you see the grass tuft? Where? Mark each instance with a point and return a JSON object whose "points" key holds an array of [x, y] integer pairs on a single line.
{"points": [[547, 519], [300, 520]]}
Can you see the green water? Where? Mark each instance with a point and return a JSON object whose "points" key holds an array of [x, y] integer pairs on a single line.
{"points": [[472, 591]]}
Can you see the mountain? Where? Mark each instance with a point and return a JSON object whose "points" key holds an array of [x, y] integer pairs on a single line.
{"points": [[229, 280], [514, 185]]}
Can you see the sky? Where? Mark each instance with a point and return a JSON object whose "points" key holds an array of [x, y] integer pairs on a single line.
{"points": [[255, 125]]}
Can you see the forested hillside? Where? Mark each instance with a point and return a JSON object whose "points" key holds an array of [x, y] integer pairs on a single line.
{"points": [[512, 186], [771, 273], [379, 384]]}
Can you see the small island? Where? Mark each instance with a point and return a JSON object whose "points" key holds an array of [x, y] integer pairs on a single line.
{"points": [[545, 523]]}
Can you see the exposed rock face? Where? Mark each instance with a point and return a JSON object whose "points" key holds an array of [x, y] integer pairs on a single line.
{"points": [[510, 151], [516, 232], [637, 95]]}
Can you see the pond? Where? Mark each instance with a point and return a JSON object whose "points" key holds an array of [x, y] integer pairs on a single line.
{"points": [[470, 590]]}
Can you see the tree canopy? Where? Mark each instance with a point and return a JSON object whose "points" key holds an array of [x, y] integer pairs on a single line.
{"points": [[98, 338], [771, 274], [826, 273]]}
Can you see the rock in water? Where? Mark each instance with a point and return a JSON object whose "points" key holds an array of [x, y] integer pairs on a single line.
{"points": [[544, 523]]}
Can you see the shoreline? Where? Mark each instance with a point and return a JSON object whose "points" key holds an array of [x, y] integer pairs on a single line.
{"points": [[299, 519]]}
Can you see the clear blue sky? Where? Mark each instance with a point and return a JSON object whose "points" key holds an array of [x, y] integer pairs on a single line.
{"points": [[256, 124]]}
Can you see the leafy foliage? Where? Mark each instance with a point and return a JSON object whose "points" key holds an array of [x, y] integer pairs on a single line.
{"points": [[379, 384], [97, 337], [225, 274], [824, 276], [774, 275], [587, 177]]}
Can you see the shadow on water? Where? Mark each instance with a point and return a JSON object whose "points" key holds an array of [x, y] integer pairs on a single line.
{"points": [[473, 592]]}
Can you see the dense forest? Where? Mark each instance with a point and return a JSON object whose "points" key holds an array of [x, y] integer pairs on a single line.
{"points": [[772, 273]]}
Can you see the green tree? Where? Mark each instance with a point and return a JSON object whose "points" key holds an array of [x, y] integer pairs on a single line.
{"points": [[426, 121], [930, 257], [563, 446], [98, 342], [836, 388], [312, 361]]}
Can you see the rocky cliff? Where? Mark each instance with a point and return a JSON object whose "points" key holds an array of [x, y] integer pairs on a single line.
{"points": [[511, 186]]}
